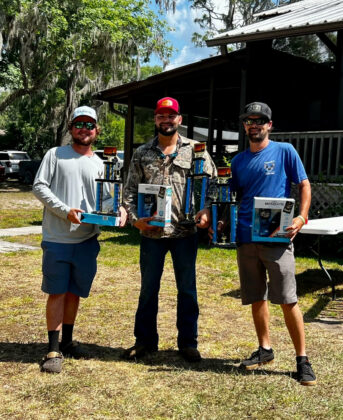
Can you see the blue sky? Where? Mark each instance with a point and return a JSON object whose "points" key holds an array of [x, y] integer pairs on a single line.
{"points": [[183, 23]]}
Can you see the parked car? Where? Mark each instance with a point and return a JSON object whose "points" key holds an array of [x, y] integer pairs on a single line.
{"points": [[120, 157], [2, 173], [10, 160]]}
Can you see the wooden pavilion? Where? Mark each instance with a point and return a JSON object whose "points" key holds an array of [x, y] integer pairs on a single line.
{"points": [[305, 97]]}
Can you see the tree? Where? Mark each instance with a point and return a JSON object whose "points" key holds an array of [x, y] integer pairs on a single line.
{"points": [[238, 13], [56, 53], [242, 12]]}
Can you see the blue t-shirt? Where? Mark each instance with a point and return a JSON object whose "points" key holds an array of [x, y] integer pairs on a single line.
{"points": [[267, 173]]}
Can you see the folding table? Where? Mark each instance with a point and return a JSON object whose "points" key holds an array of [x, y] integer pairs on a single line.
{"points": [[321, 227]]}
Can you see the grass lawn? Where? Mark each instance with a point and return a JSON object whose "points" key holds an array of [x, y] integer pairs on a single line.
{"points": [[162, 386]]}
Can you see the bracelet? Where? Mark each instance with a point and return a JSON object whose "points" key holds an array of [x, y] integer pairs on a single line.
{"points": [[302, 219]]}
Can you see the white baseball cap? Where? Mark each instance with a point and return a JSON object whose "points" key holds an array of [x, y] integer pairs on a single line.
{"points": [[84, 110]]}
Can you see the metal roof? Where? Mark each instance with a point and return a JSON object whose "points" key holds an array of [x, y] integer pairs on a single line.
{"points": [[300, 18], [289, 8]]}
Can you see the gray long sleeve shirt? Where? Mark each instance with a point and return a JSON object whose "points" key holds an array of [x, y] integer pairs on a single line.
{"points": [[65, 180]]}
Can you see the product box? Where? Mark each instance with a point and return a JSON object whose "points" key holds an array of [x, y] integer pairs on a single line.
{"points": [[100, 219], [155, 201], [271, 216]]}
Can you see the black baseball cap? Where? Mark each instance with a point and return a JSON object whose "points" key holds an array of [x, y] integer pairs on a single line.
{"points": [[257, 108]]}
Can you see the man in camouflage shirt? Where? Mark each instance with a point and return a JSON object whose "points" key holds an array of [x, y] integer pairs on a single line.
{"points": [[167, 160]]}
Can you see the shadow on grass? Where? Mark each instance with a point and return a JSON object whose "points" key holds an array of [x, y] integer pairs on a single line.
{"points": [[161, 361], [131, 236], [314, 279], [171, 360], [14, 186], [33, 352], [125, 236], [36, 223]]}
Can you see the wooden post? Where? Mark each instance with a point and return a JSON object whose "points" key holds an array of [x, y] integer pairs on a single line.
{"points": [[190, 126], [129, 136], [242, 103], [210, 118], [339, 59], [219, 139]]}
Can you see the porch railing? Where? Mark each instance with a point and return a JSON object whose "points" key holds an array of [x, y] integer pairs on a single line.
{"points": [[320, 151]]}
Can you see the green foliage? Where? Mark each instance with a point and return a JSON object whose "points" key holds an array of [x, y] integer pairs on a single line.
{"points": [[308, 46], [56, 54], [112, 132], [30, 124], [147, 71], [144, 125]]}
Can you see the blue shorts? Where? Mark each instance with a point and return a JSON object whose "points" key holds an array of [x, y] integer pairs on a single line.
{"points": [[69, 267]]}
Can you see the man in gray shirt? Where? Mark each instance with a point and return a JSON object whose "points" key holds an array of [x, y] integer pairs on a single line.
{"points": [[65, 184]]}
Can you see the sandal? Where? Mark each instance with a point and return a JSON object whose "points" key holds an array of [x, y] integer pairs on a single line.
{"points": [[52, 362]]}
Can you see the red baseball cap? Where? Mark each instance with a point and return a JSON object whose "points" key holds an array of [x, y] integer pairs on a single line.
{"points": [[167, 103]]}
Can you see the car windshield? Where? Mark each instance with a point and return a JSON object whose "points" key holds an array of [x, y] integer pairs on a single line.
{"points": [[19, 156], [120, 155]]}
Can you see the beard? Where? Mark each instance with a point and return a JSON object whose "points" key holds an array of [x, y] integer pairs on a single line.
{"points": [[167, 131], [82, 142], [257, 137]]}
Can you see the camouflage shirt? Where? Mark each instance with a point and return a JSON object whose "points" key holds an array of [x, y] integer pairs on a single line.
{"points": [[150, 166]]}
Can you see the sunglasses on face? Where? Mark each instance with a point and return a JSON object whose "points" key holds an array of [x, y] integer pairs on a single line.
{"points": [[86, 125], [257, 121]]}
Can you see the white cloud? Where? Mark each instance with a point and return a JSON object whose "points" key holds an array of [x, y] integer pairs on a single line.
{"points": [[182, 22], [189, 54]]}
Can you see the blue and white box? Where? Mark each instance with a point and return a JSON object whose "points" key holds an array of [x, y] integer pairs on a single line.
{"points": [[271, 217], [155, 201]]}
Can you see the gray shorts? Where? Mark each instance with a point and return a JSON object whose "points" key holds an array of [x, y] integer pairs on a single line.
{"points": [[255, 261]]}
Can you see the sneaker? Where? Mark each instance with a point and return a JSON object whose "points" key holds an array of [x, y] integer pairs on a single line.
{"points": [[52, 362], [258, 358], [74, 350], [305, 373], [191, 354], [137, 352]]}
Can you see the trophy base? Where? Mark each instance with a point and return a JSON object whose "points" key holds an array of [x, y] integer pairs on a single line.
{"points": [[187, 222], [227, 245], [100, 219]]}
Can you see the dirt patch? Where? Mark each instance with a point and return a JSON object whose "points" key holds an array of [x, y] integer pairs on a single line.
{"points": [[15, 195]]}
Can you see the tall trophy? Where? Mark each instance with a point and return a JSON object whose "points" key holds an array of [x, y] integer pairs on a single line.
{"points": [[224, 209], [197, 172], [112, 175]]}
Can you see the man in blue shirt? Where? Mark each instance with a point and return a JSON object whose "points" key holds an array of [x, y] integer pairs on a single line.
{"points": [[267, 169]]}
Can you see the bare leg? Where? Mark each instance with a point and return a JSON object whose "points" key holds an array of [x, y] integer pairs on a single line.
{"points": [[295, 324], [71, 306], [260, 313], [54, 312]]}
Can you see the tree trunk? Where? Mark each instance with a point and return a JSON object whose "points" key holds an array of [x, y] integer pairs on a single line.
{"points": [[62, 136]]}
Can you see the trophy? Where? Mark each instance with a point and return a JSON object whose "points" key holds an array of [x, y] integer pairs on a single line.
{"points": [[224, 207], [196, 173], [112, 176]]}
